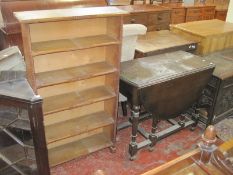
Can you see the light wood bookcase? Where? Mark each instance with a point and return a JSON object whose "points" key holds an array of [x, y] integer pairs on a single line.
{"points": [[72, 58]]}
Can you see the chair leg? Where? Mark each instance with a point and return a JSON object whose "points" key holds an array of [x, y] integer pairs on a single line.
{"points": [[124, 107]]}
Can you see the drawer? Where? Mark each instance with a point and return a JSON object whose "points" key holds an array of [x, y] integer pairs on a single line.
{"points": [[178, 12], [177, 20], [156, 27], [193, 18], [207, 17], [209, 11], [135, 19], [158, 18], [221, 15], [193, 12]]}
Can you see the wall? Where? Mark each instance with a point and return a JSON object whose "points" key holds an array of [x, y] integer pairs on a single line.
{"points": [[230, 12]]}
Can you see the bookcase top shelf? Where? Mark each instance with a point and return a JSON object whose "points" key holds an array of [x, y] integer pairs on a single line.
{"points": [[67, 14]]}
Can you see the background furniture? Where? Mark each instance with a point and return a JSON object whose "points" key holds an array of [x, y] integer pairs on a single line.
{"points": [[185, 13], [211, 35], [218, 95], [161, 85], [79, 83], [163, 41], [10, 34], [153, 17]]}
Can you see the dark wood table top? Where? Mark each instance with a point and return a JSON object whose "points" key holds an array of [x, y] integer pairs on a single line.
{"points": [[160, 68]]}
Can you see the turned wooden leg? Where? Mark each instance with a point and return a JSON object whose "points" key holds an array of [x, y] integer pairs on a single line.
{"points": [[152, 136], [133, 147], [124, 108]]}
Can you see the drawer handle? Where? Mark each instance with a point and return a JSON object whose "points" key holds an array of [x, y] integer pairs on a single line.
{"points": [[159, 18], [132, 20]]}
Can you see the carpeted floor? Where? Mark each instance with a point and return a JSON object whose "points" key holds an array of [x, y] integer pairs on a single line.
{"points": [[119, 164]]}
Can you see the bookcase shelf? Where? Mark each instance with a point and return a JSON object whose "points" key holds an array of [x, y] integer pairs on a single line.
{"points": [[77, 126], [74, 99], [73, 74], [46, 47], [69, 149], [73, 60]]}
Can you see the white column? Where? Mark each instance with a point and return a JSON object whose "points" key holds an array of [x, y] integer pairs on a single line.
{"points": [[230, 12]]}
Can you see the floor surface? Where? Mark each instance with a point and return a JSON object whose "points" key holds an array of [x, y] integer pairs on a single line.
{"points": [[119, 164]]}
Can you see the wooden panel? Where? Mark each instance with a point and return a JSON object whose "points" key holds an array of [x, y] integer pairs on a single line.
{"points": [[68, 149], [136, 19], [74, 29], [77, 126], [221, 14], [42, 16], [75, 99], [52, 46], [55, 61], [73, 74], [178, 12], [71, 87], [71, 114]]}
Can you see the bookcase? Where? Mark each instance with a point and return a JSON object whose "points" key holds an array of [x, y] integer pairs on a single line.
{"points": [[72, 59]]}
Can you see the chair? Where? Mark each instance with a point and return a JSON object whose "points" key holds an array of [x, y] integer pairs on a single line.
{"points": [[129, 41]]}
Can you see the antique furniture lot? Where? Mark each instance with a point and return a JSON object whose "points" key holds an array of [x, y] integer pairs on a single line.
{"points": [[161, 85], [10, 33], [218, 95], [163, 41], [208, 159], [211, 35], [152, 16], [182, 12], [79, 83]]}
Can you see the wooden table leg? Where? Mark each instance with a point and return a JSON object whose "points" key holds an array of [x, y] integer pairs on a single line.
{"points": [[133, 146]]}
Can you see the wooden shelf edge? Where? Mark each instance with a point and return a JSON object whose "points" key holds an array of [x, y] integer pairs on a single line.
{"points": [[83, 146], [109, 93], [100, 119], [65, 45], [71, 74]]}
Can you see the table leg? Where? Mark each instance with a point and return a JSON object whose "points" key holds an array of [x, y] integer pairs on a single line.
{"points": [[153, 136], [133, 146]]}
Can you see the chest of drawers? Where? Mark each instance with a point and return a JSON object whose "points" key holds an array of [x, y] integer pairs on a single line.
{"points": [[152, 16]]}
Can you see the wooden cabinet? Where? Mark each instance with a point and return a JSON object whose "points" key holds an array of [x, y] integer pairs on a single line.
{"points": [[152, 16], [178, 15], [185, 13], [76, 71], [197, 13], [211, 35]]}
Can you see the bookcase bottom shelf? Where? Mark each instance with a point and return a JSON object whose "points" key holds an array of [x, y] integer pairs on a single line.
{"points": [[80, 147], [77, 126]]}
